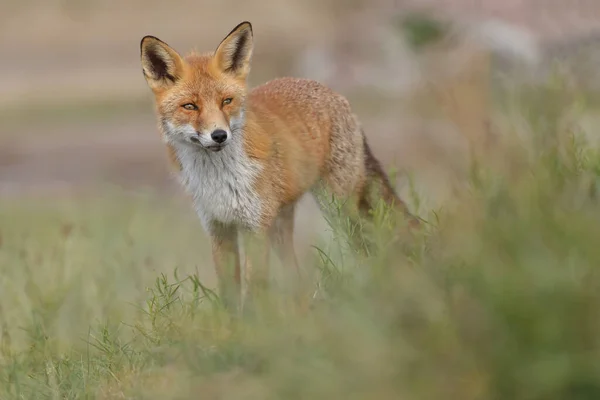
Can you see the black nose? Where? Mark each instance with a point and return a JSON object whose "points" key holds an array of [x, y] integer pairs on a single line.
{"points": [[219, 136]]}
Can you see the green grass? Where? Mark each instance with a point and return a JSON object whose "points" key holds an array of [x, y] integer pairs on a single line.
{"points": [[497, 299]]}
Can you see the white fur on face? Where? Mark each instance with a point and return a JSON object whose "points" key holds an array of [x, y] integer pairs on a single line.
{"points": [[220, 183]]}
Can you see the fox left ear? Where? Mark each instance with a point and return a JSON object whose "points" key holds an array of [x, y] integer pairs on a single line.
{"points": [[162, 66], [235, 51]]}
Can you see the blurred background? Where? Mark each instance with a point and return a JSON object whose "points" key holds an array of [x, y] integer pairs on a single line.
{"points": [[76, 114], [104, 266]]}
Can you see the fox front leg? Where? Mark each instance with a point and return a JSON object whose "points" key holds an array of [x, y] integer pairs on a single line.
{"points": [[227, 264]]}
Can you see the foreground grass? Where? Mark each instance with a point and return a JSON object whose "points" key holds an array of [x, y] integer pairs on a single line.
{"points": [[498, 299]]}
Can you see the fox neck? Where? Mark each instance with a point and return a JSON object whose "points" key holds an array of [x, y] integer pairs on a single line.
{"points": [[222, 184]]}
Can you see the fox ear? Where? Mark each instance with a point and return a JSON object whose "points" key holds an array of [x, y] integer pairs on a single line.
{"points": [[235, 51], [161, 64]]}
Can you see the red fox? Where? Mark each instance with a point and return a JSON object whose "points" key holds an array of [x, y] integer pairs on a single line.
{"points": [[247, 156]]}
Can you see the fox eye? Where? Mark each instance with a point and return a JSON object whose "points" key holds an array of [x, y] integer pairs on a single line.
{"points": [[227, 101], [189, 106]]}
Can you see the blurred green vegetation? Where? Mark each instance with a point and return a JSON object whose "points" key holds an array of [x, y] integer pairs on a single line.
{"points": [[498, 299], [421, 30]]}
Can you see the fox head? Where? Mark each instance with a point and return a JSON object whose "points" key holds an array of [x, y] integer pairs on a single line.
{"points": [[200, 98]]}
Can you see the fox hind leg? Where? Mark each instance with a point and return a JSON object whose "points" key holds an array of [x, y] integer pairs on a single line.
{"points": [[343, 178], [355, 176]]}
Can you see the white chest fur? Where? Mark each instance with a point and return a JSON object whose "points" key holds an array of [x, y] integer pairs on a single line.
{"points": [[221, 184]]}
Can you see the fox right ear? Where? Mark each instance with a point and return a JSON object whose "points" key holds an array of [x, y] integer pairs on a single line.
{"points": [[162, 65], [235, 51]]}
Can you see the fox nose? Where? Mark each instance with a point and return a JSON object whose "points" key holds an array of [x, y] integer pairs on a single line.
{"points": [[219, 136]]}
